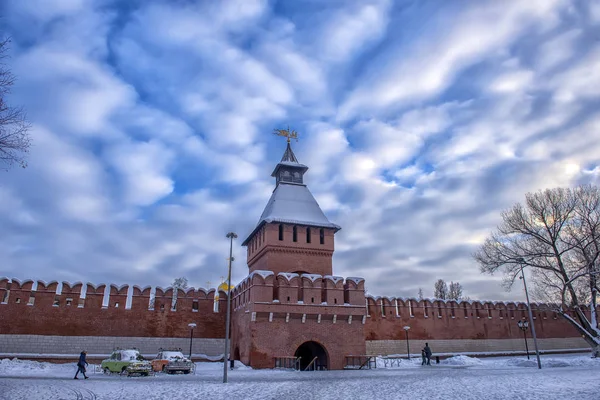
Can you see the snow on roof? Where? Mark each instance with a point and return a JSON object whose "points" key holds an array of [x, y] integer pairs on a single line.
{"points": [[355, 279], [262, 273], [288, 275], [333, 278], [312, 277], [293, 204]]}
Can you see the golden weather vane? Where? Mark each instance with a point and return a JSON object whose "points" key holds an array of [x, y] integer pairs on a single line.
{"points": [[289, 134]]}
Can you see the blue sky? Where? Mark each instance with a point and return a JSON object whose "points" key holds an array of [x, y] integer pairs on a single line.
{"points": [[420, 121]]}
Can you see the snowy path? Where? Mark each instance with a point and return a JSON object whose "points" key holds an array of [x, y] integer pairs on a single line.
{"points": [[485, 381]]}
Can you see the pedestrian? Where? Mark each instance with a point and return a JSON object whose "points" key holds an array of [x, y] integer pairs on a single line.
{"points": [[81, 365], [428, 353], [423, 357]]}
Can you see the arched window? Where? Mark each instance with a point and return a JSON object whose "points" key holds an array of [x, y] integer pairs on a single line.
{"points": [[322, 236], [280, 231], [295, 235], [308, 235]]}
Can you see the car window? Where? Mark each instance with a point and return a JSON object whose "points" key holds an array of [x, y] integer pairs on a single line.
{"points": [[118, 356], [113, 356]]}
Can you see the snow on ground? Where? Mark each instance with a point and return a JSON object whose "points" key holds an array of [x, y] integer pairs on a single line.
{"points": [[460, 377]]}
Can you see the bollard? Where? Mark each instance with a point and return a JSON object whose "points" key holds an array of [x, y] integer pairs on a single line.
{"points": [[437, 359]]}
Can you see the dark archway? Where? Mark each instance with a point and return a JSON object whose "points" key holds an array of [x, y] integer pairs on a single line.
{"points": [[308, 351], [236, 354]]}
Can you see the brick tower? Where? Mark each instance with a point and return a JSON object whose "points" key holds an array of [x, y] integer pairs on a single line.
{"points": [[291, 308]]}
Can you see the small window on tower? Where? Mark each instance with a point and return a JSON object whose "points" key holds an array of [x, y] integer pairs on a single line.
{"points": [[295, 237], [280, 231], [307, 235], [322, 236]]}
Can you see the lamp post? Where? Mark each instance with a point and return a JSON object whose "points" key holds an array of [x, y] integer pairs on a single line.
{"points": [[230, 236], [537, 351], [192, 326], [524, 325], [406, 329]]}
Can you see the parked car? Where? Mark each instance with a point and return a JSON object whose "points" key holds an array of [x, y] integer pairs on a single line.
{"points": [[129, 362], [172, 361]]}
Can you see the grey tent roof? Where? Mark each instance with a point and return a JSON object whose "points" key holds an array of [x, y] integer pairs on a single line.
{"points": [[293, 204], [289, 155]]}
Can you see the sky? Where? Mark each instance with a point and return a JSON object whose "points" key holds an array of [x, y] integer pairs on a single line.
{"points": [[420, 122]]}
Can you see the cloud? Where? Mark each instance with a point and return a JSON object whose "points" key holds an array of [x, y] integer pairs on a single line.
{"points": [[429, 64]]}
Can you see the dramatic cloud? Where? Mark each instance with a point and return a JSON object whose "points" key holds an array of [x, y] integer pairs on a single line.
{"points": [[420, 122]]}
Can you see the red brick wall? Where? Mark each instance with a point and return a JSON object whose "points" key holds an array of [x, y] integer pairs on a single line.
{"points": [[42, 318], [272, 254], [497, 323], [339, 339]]}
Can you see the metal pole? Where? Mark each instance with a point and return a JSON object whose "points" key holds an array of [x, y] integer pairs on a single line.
{"points": [[526, 347], [537, 351], [231, 236], [191, 337], [407, 345]]}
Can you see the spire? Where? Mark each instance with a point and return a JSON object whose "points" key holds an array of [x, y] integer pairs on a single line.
{"points": [[289, 170], [289, 155]]}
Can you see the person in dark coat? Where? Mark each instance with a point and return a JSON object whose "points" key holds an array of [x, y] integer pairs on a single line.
{"points": [[81, 365], [423, 357], [428, 353]]}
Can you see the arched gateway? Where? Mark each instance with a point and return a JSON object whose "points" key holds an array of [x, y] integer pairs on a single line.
{"points": [[307, 353]]}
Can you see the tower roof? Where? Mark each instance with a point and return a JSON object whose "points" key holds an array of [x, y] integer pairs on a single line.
{"points": [[289, 155], [291, 201], [290, 162]]}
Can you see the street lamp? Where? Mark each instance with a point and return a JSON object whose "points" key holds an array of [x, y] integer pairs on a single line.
{"points": [[524, 325], [192, 326], [537, 351], [230, 236], [406, 329]]}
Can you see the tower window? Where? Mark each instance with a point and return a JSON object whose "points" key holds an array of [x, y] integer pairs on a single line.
{"points": [[295, 237], [280, 231], [322, 236], [307, 235]]}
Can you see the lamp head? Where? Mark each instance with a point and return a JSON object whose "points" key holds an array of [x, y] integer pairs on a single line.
{"points": [[192, 325], [231, 235], [406, 328]]}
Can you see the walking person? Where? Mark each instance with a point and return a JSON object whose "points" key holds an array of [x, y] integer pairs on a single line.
{"points": [[81, 365], [423, 357], [428, 353]]}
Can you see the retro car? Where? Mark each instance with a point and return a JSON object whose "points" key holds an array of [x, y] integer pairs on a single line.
{"points": [[172, 361], [129, 362]]}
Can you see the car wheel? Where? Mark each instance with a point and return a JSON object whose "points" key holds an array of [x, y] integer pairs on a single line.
{"points": [[186, 372], [106, 371]]}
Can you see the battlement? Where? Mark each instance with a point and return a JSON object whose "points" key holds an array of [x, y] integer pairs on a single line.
{"points": [[437, 308], [298, 289], [40, 294], [432, 319], [86, 309]]}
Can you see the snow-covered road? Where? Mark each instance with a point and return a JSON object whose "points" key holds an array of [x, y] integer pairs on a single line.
{"points": [[570, 378]]}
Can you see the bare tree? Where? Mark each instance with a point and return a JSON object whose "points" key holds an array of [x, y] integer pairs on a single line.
{"points": [[14, 129], [440, 289], [455, 291], [420, 294], [178, 283], [556, 235]]}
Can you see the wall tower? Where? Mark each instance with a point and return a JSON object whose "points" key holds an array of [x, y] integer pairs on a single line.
{"points": [[293, 234]]}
